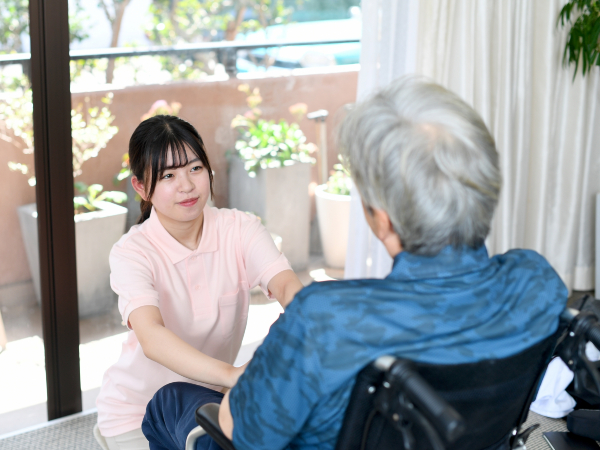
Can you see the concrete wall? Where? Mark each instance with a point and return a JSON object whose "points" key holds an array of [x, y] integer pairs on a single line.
{"points": [[209, 105]]}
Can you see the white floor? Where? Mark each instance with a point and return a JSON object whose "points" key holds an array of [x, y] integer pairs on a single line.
{"points": [[22, 364]]}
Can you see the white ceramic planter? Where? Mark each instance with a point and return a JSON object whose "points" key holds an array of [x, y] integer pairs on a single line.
{"points": [[280, 197], [334, 221], [95, 234]]}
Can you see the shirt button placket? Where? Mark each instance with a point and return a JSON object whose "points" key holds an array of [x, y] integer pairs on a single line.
{"points": [[196, 279]]}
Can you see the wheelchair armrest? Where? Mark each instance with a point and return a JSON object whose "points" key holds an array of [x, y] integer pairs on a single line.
{"points": [[207, 417], [193, 436]]}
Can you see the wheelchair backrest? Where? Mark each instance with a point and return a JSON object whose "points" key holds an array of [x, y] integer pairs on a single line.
{"points": [[492, 396]]}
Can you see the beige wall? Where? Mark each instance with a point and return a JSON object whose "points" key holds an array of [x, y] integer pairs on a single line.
{"points": [[209, 106]]}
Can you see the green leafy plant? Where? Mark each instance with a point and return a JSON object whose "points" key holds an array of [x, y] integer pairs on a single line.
{"points": [[92, 195], [266, 143], [114, 10], [193, 21], [583, 40], [14, 23], [91, 128], [16, 115], [339, 182], [125, 171]]}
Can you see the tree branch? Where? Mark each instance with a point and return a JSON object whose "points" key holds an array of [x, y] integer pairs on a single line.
{"points": [[111, 18], [234, 25], [116, 30], [261, 15]]}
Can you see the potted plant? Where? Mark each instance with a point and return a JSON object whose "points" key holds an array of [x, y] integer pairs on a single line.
{"points": [[269, 174], [333, 211], [99, 222]]}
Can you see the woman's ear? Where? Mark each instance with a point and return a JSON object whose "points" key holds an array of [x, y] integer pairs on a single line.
{"points": [[139, 187]]}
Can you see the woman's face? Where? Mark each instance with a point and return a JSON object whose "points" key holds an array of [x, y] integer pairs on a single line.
{"points": [[180, 194]]}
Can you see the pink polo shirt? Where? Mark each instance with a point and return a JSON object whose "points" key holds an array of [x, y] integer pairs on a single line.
{"points": [[202, 295]]}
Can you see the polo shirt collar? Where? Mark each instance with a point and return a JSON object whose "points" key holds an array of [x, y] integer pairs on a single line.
{"points": [[449, 262], [176, 251]]}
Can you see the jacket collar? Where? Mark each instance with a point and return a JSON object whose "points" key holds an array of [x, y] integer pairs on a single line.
{"points": [[177, 252], [449, 262]]}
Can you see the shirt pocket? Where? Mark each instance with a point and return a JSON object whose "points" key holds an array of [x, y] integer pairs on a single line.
{"points": [[233, 314]]}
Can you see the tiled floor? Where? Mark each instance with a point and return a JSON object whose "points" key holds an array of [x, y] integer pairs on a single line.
{"points": [[75, 433], [22, 373]]}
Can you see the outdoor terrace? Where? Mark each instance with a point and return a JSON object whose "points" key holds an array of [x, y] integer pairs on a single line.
{"points": [[210, 105]]}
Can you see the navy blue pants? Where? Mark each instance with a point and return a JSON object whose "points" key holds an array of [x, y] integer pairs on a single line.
{"points": [[170, 416]]}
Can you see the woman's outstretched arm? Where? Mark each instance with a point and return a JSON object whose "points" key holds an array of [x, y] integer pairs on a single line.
{"points": [[164, 347], [284, 286]]}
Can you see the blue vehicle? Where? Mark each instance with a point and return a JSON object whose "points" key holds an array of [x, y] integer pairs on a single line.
{"points": [[292, 57]]}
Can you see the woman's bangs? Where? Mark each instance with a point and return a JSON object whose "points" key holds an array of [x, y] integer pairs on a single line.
{"points": [[178, 156]]}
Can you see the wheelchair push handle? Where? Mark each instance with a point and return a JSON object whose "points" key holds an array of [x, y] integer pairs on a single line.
{"points": [[444, 418], [581, 328], [584, 323], [593, 335]]}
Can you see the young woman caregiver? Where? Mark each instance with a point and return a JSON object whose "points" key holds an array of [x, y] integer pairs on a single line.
{"points": [[183, 276]]}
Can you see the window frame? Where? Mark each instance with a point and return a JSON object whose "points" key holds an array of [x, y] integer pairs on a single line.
{"points": [[50, 81]]}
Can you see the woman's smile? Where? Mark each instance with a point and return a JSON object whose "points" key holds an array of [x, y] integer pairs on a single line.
{"points": [[189, 202]]}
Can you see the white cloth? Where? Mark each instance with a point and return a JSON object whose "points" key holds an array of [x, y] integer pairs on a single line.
{"points": [[505, 59], [552, 400], [592, 353]]}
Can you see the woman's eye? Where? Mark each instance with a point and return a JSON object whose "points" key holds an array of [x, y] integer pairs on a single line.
{"points": [[167, 176], [196, 168]]}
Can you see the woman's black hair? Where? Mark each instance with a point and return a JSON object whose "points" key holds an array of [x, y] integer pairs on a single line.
{"points": [[149, 148]]}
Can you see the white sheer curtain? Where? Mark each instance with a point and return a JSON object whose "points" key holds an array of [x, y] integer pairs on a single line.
{"points": [[389, 33], [504, 58]]}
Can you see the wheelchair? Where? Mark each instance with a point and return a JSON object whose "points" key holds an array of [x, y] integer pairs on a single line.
{"points": [[398, 403]]}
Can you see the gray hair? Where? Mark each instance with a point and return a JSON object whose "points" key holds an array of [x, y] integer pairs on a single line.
{"points": [[420, 153]]}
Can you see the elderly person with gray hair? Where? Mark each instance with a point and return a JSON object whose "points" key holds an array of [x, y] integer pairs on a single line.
{"points": [[427, 171]]}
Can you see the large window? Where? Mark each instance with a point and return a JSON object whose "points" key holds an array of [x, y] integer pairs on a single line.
{"points": [[211, 63]]}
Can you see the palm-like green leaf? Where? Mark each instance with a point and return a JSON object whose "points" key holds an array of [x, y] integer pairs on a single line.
{"points": [[583, 41], [93, 194]]}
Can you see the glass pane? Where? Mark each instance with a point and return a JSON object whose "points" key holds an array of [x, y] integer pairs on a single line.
{"points": [[212, 89], [22, 371]]}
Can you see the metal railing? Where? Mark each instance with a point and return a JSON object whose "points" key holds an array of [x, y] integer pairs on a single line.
{"points": [[226, 51]]}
